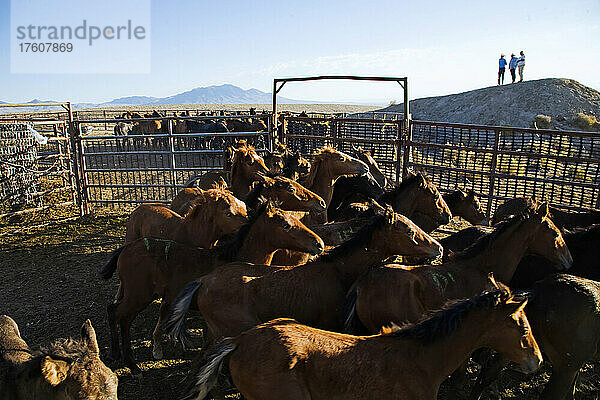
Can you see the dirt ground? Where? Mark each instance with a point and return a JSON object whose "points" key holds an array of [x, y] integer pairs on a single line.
{"points": [[49, 286]]}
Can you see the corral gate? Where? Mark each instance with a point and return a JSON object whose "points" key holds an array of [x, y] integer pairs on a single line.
{"points": [[149, 168], [382, 133]]}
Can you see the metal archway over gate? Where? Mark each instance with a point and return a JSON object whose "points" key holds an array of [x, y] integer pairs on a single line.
{"points": [[381, 133]]}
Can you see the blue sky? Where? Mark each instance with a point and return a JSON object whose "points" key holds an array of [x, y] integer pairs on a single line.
{"points": [[443, 47]]}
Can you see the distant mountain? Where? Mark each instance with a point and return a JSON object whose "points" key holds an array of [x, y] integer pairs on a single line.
{"points": [[222, 94], [133, 101]]}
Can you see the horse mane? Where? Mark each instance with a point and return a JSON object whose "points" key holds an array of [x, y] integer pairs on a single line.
{"points": [[318, 158], [230, 249], [219, 190], [358, 240], [445, 321], [238, 152], [394, 192], [484, 242]]}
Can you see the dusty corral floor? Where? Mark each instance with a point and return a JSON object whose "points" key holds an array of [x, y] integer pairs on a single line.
{"points": [[49, 286]]}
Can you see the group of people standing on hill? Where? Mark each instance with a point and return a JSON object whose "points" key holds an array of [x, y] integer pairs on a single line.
{"points": [[515, 63]]}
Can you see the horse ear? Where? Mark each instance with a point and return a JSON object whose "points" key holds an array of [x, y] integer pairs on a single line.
{"points": [[54, 371], [519, 305], [88, 337], [492, 280], [543, 211], [422, 180], [271, 209]]}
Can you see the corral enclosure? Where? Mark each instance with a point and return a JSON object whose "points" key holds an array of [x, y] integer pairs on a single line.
{"points": [[499, 163], [120, 172]]}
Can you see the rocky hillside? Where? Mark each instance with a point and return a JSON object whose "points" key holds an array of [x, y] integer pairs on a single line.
{"points": [[516, 105]]}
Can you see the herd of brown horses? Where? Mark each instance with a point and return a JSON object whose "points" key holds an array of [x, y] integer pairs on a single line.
{"points": [[320, 280]]}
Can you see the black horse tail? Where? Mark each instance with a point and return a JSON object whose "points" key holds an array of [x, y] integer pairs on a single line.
{"points": [[108, 269], [175, 325], [208, 367], [351, 323]]}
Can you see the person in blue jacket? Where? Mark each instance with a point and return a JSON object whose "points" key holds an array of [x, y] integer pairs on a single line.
{"points": [[503, 63], [512, 66]]}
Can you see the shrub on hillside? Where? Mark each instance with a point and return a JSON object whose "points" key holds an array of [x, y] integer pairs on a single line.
{"points": [[542, 121], [586, 122]]}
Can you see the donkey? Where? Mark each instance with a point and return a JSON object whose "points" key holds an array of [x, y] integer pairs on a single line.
{"points": [[64, 370], [151, 268], [283, 359]]}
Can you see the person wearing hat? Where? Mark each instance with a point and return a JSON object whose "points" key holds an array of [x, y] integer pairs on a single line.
{"points": [[512, 66], [502, 62], [521, 65]]}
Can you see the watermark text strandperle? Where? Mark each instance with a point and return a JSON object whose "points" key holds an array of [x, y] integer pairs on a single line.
{"points": [[84, 31]]}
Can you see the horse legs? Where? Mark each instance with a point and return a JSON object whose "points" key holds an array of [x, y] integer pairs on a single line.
{"points": [[157, 350], [489, 373], [126, 350], [562, 384], [115, 349]]}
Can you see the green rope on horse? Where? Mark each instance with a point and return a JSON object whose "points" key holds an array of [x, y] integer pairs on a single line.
{"points": [[167, 246]]}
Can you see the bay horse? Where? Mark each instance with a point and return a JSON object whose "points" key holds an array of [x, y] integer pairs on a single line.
{"points": [[350, 188], [393, 293], [415, 197], [583, 245], [66, 369], [420, 200], [326, 167], [466, 205], [295, 166], [208, 179], [367, 156], [247, 167], [287, 193], [211, 215], [283, 359], [237, 296], [152, 268], [562, 219], [563, 312]]}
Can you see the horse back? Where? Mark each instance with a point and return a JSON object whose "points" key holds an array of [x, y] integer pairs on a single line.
{"points": [[13, 349], [564, 313]]}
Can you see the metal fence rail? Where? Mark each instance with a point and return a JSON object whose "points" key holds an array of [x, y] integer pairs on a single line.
{"points": [[119, 170]]}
